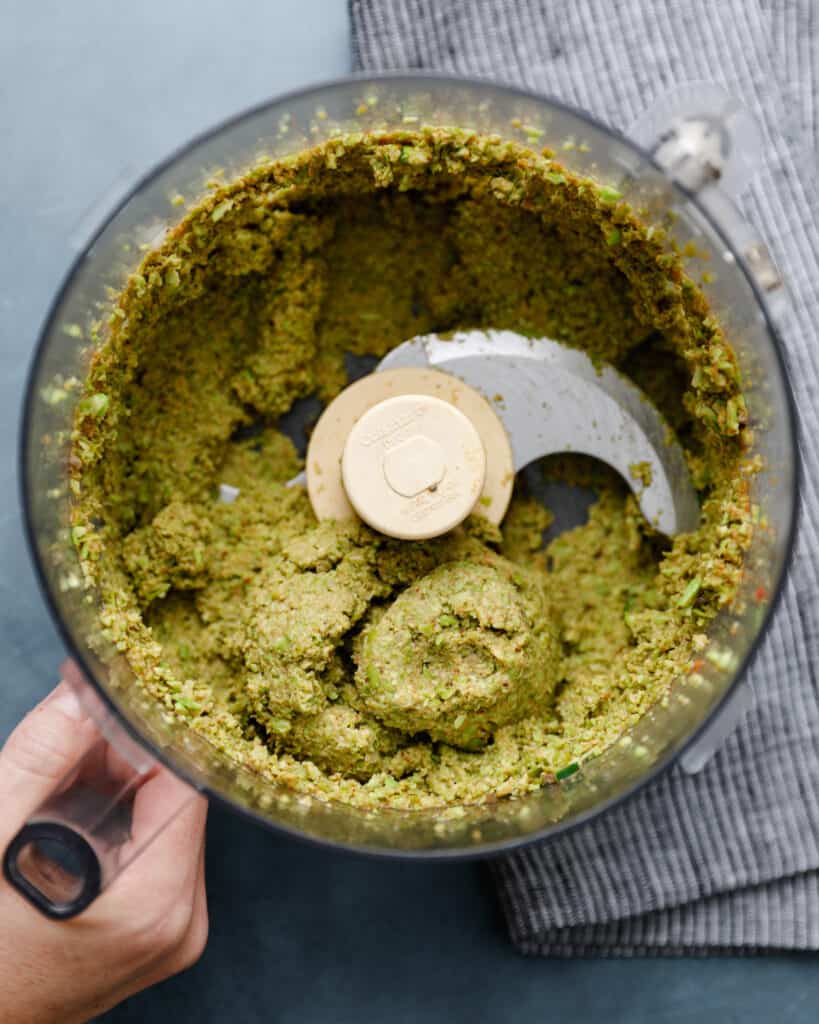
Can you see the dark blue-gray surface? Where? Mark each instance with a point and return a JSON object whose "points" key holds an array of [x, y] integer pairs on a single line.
{"points": [[94, 93]]}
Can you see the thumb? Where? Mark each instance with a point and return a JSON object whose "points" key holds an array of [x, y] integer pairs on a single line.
{"points": [[42, 750]]}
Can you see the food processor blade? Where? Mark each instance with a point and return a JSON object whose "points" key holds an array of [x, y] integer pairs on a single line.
{"points": [[551, 399]]}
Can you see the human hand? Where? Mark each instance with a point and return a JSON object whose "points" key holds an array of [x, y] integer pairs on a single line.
{"points": [[150, 924]]}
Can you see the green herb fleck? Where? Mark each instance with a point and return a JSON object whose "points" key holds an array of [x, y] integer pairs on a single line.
{"points": [[187, 704], [218, 212], [280, 726], [732, 411], [607, 194], [53, 395], [721, 658], [95, 405], [686, 599]]}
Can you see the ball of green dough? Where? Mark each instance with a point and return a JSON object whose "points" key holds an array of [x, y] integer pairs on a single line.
{"points": [[465, 649]]}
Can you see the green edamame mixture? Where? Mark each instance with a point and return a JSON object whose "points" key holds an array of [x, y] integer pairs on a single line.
{"points": [[324, 656]]}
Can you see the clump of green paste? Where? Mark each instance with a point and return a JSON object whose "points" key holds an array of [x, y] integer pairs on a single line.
{"points": [[326, 657], [465, 649]]}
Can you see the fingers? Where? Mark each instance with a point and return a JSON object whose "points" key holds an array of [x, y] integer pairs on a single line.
{"points": [[181, 951], [168, 822], [47, 745], [168, 915], [196, 939], [152, 921], [191, 945]]}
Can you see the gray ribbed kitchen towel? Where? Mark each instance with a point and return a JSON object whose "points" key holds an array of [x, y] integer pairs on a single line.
{"points": [[727, 861]]}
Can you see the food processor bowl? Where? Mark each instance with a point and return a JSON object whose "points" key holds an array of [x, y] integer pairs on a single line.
{"points": [[686, 718]]}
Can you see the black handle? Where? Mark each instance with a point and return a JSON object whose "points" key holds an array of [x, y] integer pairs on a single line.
{"points": [[81, 837], [54, 867]]}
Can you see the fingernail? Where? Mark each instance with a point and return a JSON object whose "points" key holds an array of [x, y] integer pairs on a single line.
{"points": [[66, 701]]}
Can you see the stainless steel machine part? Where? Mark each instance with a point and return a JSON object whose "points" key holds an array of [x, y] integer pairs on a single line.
{"points": [[551, 398]]}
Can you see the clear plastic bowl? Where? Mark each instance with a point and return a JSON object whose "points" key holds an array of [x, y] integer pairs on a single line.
{"points": [[287, 125]]}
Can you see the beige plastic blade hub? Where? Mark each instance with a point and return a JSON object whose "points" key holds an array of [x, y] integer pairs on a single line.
{"points": [[411, 452], [413, 467]]}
